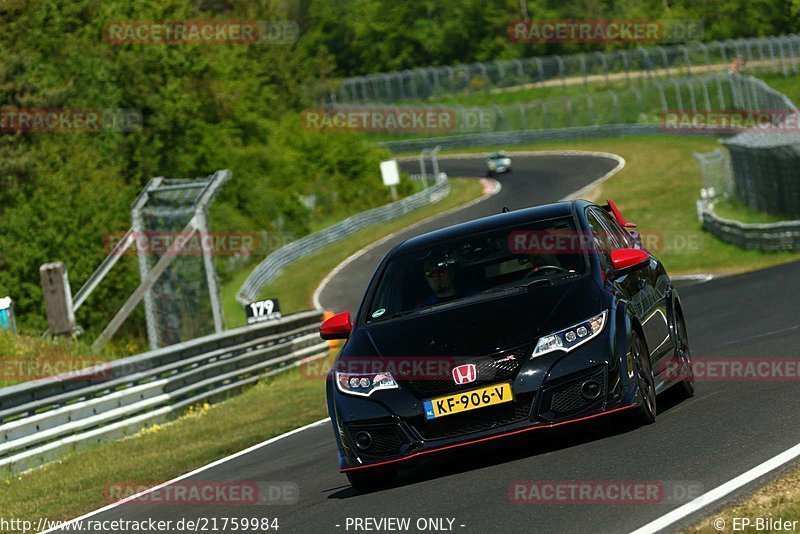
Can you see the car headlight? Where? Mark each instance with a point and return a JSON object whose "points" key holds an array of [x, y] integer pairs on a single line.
{"points": [[364, 384], [572, 337], [492, 165]]}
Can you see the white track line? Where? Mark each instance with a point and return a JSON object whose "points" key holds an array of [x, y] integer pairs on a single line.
{"points": [[719, 492], [189, 474]]}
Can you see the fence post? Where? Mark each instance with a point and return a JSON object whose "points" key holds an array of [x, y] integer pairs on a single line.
{"points": [[687, 60], [569, 111], [706, 98], [604, 64], [57, 298], [678, 97], [692, 99], [561, 72], [422, 170], [662, 96], [665, 59], [626, 66], [435, 162], [544, 114], [615, 100], [639, 106], [583, 71], [540, 68], [720, 93]]}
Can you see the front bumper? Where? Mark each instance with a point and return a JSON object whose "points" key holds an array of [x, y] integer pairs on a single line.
{"points": [[426, 449], [547, 395]]}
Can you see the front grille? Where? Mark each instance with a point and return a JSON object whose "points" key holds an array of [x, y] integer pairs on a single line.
{"points": [[500, 367], [475, 420], [387, 440], [567, 399]]}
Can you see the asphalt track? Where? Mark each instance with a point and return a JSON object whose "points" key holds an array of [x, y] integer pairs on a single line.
{"points": [[727, 428]]}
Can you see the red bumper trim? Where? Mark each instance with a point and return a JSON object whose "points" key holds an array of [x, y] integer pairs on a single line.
{"points": [[488, 438]]}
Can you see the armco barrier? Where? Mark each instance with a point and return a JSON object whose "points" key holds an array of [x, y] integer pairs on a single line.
{"points": [[524, 136], [273, 264], [44, 419], [765, 236]]}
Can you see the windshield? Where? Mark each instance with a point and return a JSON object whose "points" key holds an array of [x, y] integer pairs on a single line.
{"points": [[478, 265]]}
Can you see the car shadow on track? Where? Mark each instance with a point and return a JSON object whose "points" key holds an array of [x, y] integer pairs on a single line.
{"points": [[514, 448]]}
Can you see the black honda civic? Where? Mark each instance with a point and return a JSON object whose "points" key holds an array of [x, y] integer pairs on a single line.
{"points": [[518, 322]]}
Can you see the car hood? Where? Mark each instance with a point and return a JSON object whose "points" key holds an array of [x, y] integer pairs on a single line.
{"points": [[486, 326]]}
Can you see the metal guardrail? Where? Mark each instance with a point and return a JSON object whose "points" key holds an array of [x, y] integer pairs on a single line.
{"points": [[273, 264], [44, 419], [530, 136], [783, 235]]}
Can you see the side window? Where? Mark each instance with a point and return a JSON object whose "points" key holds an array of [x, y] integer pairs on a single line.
{"points": [[621, 235], [602, 239]]}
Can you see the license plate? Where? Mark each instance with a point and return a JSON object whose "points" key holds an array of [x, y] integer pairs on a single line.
{"points": [[468, 400]]}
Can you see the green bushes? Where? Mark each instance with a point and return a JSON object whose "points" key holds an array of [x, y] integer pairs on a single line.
{"points": [[203, 108]]}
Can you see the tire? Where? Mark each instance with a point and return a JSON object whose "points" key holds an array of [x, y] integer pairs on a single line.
{"points": [[684, 356], [489, 174], [646, 406], [369, 480]]}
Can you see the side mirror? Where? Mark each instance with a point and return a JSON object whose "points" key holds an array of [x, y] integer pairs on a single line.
{"points": [[626, 260], [336, 327]]}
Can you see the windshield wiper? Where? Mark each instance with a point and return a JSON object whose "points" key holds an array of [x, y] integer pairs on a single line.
{"points": [[540, 282]]}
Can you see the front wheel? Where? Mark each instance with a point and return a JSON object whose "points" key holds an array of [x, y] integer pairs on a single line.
{"points": [[684, 359], [645, 409]]}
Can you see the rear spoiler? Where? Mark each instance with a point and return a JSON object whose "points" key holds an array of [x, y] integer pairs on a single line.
{"points": [[612, 210]]}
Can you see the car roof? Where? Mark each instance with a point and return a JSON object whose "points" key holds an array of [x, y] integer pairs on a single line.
{"points": [[492, 222]]}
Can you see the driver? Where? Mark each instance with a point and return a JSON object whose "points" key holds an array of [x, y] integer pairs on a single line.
{"points": [[440, 276]]}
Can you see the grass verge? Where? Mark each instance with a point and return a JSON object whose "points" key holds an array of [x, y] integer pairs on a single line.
{"points": [[24, 358], [738, 211], [657, 189], [779, 499], [75, 484]]}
